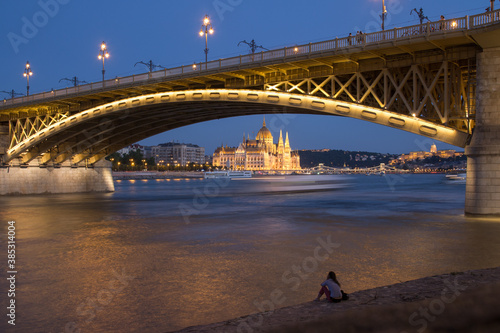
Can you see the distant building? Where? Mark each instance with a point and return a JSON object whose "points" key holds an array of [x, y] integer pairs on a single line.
{"points": [[209, 159], [258, 154], [448, 153], [178, 153], [414, 155], [145, 150]]}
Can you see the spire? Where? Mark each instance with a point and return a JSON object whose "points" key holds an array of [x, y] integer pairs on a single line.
{"points": [[287, 149], [264, 123], [280, 144]]}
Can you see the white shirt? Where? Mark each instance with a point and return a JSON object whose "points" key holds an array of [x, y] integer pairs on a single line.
{"points": [[333, 287]]}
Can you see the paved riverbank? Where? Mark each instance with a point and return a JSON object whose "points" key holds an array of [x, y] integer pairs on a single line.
{"points": [[458, 302], [137, 175]]}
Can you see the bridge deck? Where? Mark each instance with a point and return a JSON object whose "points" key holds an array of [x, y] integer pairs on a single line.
{"points": [[254, 69]]}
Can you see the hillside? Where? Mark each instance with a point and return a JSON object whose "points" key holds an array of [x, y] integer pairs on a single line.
{"points": [[341, 158]]}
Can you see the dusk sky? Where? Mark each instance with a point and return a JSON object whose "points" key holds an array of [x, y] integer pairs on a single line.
{"points": [[61, 39]]}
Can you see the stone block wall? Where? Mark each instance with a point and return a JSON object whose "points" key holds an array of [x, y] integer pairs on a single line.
{"points": [[4, 138], [483, 153], [63, 179]]}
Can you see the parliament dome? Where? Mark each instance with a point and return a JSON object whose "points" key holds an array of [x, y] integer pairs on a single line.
{"points": [[264, 133]]}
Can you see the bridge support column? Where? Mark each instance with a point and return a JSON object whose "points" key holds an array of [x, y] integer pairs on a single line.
{"points": [[4, 138], [61, 179], [483, 153]]}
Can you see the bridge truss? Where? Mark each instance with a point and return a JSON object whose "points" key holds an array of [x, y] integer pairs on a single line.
{"points": [[442, 92]]}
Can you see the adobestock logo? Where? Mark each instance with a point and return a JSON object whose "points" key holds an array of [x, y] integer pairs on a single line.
{"points": [[222, 6], [30, 28]]}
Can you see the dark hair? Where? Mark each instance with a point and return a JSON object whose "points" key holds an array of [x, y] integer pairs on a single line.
{"points": [[333, 277]]}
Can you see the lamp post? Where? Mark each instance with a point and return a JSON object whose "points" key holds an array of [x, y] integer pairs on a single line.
{"points": [[73, 80], [149, 65], [12, 93], [103, 53], [384, 14], [420, 14], [253, 46], [206, 28], [27, 73]]}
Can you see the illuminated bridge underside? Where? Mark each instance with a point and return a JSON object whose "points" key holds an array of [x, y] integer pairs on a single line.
{"points": [[94, 133]]}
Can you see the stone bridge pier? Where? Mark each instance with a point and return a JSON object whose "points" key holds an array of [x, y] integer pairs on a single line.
{"points": [[4, 138], [62, 178], [483, 153]]}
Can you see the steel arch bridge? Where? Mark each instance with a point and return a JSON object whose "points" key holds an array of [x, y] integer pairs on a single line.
{"points": [[421, 79], [94, 133]]}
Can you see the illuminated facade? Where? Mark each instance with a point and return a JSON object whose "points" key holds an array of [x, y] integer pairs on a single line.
{"points": [[415, 155], [259, 154]]}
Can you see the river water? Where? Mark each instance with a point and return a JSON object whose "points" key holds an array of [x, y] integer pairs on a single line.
{"points": [[161, 255]]}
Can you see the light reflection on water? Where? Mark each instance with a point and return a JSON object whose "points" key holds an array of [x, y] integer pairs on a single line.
{"points": [[234, 250]]}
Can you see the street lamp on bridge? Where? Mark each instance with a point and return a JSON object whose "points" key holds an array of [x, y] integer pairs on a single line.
{"points": [[73, 80], [149, 65], [12, 93], [27, 73], [420, 14], [384, 14], [206, 28], [253, 46], [103, 53]]}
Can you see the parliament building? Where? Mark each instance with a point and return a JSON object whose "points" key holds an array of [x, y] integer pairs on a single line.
{"points": [[259, 154]]}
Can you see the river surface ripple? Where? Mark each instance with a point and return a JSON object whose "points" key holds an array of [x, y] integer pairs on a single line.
{"points": [[160, 255]]}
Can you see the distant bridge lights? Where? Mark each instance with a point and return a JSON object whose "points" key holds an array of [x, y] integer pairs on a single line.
{"points": [[206, 28], [27, 73], [103, 54]]}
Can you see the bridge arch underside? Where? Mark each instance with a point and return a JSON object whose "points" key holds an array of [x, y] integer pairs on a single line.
{"points": [[93, 134]]}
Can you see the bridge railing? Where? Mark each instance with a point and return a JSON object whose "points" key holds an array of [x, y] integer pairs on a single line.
{"points": [[380, 36], [288, 53], [479, 20]]}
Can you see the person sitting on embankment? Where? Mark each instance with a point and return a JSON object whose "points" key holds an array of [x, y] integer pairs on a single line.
{"points": [[331, 288]]}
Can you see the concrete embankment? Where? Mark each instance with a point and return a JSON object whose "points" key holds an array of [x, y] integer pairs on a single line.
{"points": [[63, 178], [122, 175], [455, 302]]}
